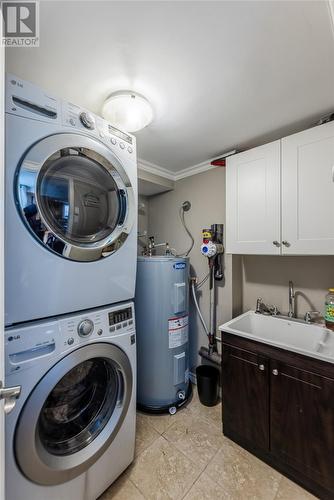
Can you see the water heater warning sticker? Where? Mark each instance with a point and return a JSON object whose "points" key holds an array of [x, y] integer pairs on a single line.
{"points": [[177, 331]]}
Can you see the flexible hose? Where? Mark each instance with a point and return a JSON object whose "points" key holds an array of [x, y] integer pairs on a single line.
{"points": [[198, 309], [181, 213], [201, 283]]}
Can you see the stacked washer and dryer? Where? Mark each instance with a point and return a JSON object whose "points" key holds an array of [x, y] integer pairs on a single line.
{"points": [[71, 245]]}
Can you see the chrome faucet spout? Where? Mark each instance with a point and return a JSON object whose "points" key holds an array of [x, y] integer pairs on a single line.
{"points": [[292, 312]]}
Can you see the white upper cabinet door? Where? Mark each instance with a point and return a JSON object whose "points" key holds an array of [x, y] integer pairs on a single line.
{"points": [[308, 192], [253, 201]]}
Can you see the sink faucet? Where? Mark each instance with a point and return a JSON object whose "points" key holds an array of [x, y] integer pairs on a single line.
{"points": [[262, 308], [292, 312], [148, 251]]}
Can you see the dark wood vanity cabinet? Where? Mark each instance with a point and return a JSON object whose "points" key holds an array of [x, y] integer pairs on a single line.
{"points": [[246, 393], [280, 406]]}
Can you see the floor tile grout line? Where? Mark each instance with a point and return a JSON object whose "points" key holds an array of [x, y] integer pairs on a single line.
{"points": [[212, 421], [140, 491], [190, 460], [201, 471], [195, 481], [146, 447], [199, 417], [185, 456]]}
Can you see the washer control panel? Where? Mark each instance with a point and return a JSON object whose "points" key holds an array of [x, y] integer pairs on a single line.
{"points": [[27, 344], [85, 327], [96, 324]]}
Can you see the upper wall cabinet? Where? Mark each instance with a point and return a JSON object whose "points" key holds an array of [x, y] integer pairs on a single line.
{"points": [[280, 197], [308, 191], [253, 201]]}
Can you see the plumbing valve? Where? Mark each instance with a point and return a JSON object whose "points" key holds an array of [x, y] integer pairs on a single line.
{"points": [[211, 249]]}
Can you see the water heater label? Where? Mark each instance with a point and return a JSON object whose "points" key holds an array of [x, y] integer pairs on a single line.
{"points": [[179, 265], [177, 331]]}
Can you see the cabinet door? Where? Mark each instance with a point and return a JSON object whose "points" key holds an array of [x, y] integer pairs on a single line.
{"points": [[302, 421], [245, 396], [253, 201], [308, 191]]}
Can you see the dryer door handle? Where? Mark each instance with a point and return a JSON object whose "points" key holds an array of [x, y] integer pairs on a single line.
{"points": [[123, 207], [10, 395]]}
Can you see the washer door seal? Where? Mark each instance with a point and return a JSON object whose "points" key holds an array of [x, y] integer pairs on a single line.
{"points": [[73, 414]]}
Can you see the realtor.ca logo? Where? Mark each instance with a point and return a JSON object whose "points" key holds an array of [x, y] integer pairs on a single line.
{"points": [[20, 24]]}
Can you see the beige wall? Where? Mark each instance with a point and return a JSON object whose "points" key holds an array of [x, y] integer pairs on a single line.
{"points": [[142, 222], [206, 192], [268, 277], [246, 277]]}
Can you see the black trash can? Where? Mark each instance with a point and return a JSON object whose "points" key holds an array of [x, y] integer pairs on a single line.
{"points": [[208, 384]]}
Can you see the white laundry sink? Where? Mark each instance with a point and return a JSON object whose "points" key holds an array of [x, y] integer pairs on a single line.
{"points": [[309, 339]]}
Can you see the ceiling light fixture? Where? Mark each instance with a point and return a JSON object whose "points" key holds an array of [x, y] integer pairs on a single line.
{"points": [[128, 110]]}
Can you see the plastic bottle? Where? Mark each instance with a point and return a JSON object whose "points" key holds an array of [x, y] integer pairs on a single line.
{"points": [[329, 309]]}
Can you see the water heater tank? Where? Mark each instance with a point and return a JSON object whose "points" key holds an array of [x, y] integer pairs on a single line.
{"points": [[162, 323]]}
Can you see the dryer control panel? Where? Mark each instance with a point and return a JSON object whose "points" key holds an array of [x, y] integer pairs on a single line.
{"points": [[75, 117], [28, 100]]}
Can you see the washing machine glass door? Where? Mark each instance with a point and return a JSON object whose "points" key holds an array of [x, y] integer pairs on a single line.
{"points": [[73, 414], [75, 197]]}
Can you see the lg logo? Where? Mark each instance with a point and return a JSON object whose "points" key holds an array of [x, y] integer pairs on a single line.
{"points": [[20, 23]]}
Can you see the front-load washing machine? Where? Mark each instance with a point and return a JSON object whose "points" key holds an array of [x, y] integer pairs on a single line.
{"points": [[71, 207], [72, 431]]}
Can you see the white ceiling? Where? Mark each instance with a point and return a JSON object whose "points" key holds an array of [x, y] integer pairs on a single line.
{"points": [[219, 74]]}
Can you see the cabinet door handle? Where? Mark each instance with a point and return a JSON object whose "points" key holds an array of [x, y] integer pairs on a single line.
{"points": [[275, 372], [333, 173], [262, 368], [276, 243], [285, 243]]}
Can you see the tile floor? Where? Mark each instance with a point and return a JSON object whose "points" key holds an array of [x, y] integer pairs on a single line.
{"points": [[186, 456]]}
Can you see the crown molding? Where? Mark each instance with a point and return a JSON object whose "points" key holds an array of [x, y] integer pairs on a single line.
{"points": [[152, 168], [175, 176], [193, 170]]}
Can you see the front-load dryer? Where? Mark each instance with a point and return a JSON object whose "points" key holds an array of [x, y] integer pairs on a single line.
{"points": [[71, 207], [72, 431]]}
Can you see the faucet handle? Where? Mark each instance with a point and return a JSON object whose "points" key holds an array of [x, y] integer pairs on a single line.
{"points": [[258, 305], [274, 311], [311, 316]]}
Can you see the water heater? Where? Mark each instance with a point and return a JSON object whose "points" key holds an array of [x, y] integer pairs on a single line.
{"points": [[162, 322]]}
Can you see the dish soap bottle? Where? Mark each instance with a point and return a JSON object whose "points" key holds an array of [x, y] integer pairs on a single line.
{"points": [[329, 309]]}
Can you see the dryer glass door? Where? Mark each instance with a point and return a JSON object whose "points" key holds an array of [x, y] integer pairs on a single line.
{"points": [[78, 198], [75, 197], [73, 414]]}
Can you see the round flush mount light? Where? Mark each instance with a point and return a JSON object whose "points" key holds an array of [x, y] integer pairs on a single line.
{"points": [[128, 110]]}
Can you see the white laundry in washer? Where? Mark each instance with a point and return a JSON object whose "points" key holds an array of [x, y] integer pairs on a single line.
{"points": [[71, 207], [72, 430]]}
